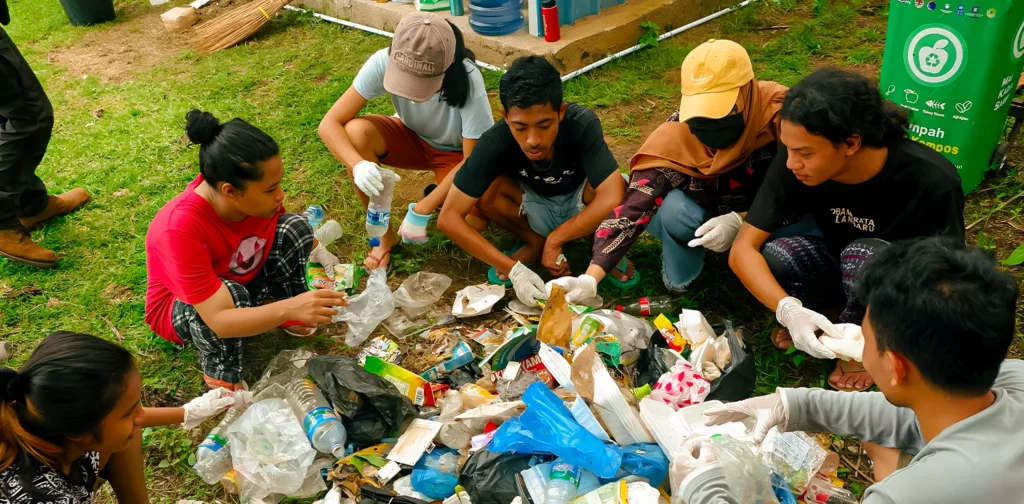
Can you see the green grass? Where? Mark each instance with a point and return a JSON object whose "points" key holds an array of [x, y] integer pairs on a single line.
{"points": [[122, 140]]}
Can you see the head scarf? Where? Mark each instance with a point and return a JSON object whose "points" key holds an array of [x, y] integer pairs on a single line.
{"points": [[673, 146]]}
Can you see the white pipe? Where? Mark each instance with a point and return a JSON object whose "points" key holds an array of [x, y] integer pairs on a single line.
{"points": [[375, 31], [664, 36]]}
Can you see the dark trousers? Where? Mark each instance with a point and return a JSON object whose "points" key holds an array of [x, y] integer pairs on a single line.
{"points": [[808, 271], [26, 122], [283, 276]]}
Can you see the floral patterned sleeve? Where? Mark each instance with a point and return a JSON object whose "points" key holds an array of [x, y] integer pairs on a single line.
{"points": [[647, 188]]}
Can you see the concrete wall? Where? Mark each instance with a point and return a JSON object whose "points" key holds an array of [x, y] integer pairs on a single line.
{"points": [[589, 40]]}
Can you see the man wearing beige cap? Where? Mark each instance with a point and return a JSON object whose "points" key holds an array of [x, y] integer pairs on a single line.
{"points": [[441, 109], [695, 174]]}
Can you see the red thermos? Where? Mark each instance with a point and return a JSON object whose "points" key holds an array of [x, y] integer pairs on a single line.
{"points": [[549, 13]]}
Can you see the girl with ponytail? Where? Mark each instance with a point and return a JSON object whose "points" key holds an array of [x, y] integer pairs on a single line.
{"points": [[441, 110], [72, 414], [848, 163]]}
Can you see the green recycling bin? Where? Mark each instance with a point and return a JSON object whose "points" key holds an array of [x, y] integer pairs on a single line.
{"points": [[955, 66], [88, 12]]}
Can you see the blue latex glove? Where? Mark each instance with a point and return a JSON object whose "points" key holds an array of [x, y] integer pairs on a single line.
{"points": [[414, 227]]}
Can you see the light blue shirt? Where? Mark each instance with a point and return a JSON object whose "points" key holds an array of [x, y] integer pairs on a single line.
{"points": [[439, 124]]}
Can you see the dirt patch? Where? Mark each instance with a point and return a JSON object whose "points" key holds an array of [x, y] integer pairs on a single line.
{"points": [[136, 42]]}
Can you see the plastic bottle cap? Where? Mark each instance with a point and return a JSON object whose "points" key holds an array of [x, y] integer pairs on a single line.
{"points": [[375, 241]]}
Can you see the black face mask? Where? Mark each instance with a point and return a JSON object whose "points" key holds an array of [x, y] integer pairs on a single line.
{"points": [[717, 133]]}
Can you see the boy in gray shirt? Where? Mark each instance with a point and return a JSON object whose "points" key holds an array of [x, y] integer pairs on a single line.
{"points": [[939, 323]]}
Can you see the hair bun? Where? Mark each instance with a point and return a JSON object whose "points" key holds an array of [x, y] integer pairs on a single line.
{"points": [[202, 127], [11, 389]]}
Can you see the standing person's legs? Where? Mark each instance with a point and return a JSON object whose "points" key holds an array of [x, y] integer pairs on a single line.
{"points": [[219, 358], [675, 224], [26, 124], [502, 203], [806, 270]]}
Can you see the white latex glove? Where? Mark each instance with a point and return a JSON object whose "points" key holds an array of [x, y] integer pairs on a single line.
{"points": [[718, 233], [577, 289], [803, 324], [325, 258], [851, 347], [527, 284], [769, 411], [200, 409], [368, 177], [694, 454]]}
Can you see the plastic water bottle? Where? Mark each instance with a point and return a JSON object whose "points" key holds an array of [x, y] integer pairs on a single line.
{"points": [[315, 215], [563, 482], [327, 233], [213, 458], [321, 424], [378, 212]]}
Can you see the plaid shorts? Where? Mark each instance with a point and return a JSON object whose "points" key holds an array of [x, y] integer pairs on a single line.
{"points": [[283, 276], [808, 271]]}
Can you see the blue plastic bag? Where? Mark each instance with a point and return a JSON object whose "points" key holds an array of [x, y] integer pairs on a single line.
{"points": [[428, 478], [646, 460], [547, 426]]}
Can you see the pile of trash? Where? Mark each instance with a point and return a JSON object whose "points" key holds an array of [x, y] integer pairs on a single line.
{"points": [[549, 404]]}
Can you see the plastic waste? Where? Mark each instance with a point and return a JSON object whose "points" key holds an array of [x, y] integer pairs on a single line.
{"points": [[401, 326], [557, 366], [314, 214], [414, 442], [563, 482], [793, 455], [378, 212], [419, 292], [436, 474], [489, 477], [319, 422], [535, 480], [213, 458], [477, 300], [646, 460], [647, 306], [547, 426], [749, 480], [696, 328], [680, 387], [403, 486], [822, 491], [366, 310], [269, 451], [474, 395], [327, 233], [371, 408], [585, 417], [608, 402], [286, 367], [634, 333], [782, 490]]}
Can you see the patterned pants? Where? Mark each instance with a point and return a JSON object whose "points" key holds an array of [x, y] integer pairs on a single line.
{"points": [[806, 269], [283, 276]]}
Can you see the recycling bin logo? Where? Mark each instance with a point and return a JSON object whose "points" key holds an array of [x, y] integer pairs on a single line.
{"points": [[935, 55]]}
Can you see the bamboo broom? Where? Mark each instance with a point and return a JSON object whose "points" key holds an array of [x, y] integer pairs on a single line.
{"points": [[235, 25]]}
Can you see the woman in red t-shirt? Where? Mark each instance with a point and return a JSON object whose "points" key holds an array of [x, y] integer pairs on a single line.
{"points": [[219, 250]]}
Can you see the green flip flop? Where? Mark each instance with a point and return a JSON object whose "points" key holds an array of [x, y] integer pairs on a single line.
{"points": [[492, 274], [621, 285]]}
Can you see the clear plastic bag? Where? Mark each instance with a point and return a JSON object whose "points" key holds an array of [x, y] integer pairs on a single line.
{"points": [[269, 451], [420, 291], [749, 480], [793, 455], [366, 310]]}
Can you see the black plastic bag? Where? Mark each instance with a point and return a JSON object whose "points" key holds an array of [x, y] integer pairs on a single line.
{"points": [[490, 478], [371, 408], [374, 495]]}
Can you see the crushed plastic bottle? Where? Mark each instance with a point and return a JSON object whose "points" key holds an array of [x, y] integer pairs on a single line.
{"points": [[213, 458], [378, 212], [319, 422], [563, 483], [647, 306], [327, 233], [315, 215]]}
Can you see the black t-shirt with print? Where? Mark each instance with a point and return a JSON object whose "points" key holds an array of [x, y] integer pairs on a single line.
{"points": [[580, 154], [917, 193]]}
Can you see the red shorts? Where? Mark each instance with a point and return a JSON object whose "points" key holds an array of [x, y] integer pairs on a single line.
{"points": [[408, 151]]}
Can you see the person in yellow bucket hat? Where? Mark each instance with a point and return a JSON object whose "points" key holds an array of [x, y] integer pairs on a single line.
{"points": [[695, 175]]}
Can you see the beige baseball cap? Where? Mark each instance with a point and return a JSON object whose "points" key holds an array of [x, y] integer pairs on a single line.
{"points": [[423, 48], [712, 75]]}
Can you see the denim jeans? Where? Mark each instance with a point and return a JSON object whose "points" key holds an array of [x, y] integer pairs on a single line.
{"points": [[675, 224]]}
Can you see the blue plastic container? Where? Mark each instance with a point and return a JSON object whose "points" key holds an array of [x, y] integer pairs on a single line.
{"points": [[496, 17]]}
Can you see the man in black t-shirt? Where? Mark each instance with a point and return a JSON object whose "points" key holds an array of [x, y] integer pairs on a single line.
{"points": [[544, 173], [848, 164]]}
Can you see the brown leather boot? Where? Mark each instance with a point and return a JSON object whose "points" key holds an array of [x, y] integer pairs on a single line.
{"points": [[17, 245], [58, 205]]}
